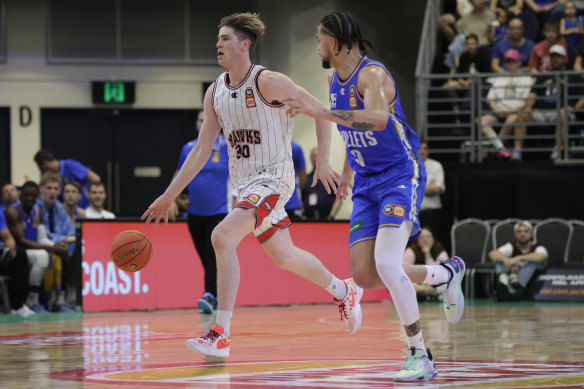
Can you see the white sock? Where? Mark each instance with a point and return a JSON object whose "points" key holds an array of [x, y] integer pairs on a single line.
{"points": [[337, 288], [416, 341], [436, 275], [224, 320], [60, 297], [33, 298], [496, 141]]}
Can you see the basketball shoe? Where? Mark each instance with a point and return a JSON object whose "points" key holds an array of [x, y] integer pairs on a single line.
{"points": [[212, 343], [208, 303], [419, 366], [350, 306], [453, 299]]}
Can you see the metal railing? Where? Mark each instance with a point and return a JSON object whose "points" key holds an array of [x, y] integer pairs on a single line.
{"points": [[426, 53], [450, 118]]}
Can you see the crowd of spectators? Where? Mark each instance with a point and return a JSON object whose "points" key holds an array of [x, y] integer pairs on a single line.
{"points": [[512, 37]]}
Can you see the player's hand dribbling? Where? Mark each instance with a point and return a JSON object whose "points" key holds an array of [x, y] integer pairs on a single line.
{"points": [[159, 209]]}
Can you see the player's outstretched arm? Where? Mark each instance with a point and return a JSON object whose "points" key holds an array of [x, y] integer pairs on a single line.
{"points": [[377, 88], [195, 161], [277, 87]]}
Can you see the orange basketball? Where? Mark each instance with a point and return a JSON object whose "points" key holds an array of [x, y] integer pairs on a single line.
{"points": [[131, 250]]}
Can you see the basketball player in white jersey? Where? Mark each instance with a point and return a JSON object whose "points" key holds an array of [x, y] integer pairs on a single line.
{"points": [[245, 102]]}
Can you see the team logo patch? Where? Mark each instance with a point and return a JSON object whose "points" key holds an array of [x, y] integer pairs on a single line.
{"points": [[355, 227], [394, 210], [249, 98], [254, 198], [352, 97], [216, 156], [333, 100]]}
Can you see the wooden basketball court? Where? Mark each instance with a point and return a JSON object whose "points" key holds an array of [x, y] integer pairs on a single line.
{"points": [[495, 345]]}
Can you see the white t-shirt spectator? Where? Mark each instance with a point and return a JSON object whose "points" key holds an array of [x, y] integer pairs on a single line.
{"points": [[510, 93], [91, 213], [435, 174]]}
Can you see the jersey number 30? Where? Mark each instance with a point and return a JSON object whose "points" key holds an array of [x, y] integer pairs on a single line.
{"points": [[242, 151]]}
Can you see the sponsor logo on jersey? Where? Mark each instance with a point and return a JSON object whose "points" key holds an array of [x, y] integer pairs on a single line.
{"points": [[252, 137], [394, 210], [333, 100], [249, 98], [234, 95], [254, 198], [355, 227], [342, 91], [352, 97]]}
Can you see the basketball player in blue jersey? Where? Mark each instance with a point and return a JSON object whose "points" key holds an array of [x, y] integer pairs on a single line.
{"points": [[388, 186]]}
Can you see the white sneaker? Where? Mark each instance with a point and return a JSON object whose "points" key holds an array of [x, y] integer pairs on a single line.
{"points": [[419, 366], [350, 306], [23, 311], [453, 301], [212, 343]]}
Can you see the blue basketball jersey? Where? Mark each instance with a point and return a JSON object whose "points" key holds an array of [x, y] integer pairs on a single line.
{"points": [[372, 151], [29, 223]]}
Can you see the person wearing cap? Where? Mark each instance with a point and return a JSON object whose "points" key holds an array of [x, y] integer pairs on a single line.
{"points": [[515, 262], [542, 105], [515, 41], [507, 95], [539, 61]]}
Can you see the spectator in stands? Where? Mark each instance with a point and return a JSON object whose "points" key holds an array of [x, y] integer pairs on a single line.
{"points": [[515, 41], [539, 60], [426, 250], [499, 29], [515, 262], [513, 6], [474, 59], [572, 25], [431, 208], [545, 9], [317, 203], [9, 196], [578, 61], [69, 170], [60, 228], [97, 198], [14, 264], [542, 105], [294, 206], [506, 96], [182, 204], [477, 22], [71, 197], [448, 23], [25, 223]]}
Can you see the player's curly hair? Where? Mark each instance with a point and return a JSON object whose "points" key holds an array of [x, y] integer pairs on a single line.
{"points": [[246, 25], [344, 28]]}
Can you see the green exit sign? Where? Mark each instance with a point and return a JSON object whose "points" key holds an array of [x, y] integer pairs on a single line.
{"points": [[113, 92]]}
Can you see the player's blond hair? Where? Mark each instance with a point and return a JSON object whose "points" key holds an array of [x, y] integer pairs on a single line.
{"points": [[50, 177], [246, 25]]}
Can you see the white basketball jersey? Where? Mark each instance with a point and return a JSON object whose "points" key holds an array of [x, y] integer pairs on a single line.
{"points": [[258, 133]]}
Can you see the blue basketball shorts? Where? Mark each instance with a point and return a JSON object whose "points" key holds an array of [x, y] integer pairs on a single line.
{"points": [[386, 199]]}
